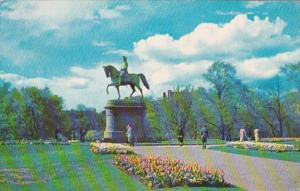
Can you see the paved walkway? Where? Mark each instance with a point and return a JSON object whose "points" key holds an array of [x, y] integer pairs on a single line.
{"points": [[250, 173]]}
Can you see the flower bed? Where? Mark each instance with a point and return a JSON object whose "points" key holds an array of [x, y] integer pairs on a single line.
{"points": [[110, 148], [274, 147], [158, 172], [279, 139]]}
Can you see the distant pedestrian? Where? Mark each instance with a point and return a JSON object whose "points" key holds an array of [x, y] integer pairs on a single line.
{"points": [[256, 135], [130, 135], [204, 136], [181, 136], [249, 135], [242, 134]]}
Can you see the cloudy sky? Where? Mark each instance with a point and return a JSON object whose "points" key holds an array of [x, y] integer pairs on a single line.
{"points": [[64, 44]]}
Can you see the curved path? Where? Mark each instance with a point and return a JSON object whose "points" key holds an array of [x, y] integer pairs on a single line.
{"points": [[250, 173]]}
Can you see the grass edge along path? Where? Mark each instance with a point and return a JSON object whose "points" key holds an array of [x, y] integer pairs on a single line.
{"points": [[293, 156]]}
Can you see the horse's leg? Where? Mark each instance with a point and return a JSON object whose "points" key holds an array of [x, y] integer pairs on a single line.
{"points": [[133, 90], [118, 91], [140, 91], [107, 87]]}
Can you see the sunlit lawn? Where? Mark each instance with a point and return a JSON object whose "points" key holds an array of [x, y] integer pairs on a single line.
{"points": [[193, 142], [285, 156], [64, 167]]}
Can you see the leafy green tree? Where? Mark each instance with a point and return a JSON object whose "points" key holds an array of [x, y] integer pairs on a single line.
{"points": [[5, 114], [222, 76], [170, 115], [207, 115], [153, 118], [292, 71], [183, 100], [84, 121]]}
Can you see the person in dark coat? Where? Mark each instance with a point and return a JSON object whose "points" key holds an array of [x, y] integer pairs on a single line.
{"points": [[204, 136], [181, 136]]}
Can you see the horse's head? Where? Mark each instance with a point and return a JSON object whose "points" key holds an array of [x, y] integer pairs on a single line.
{"points": [[106, 70]]}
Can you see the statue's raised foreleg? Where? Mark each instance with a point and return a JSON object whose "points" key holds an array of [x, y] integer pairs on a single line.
{"points": [[108, 86]]}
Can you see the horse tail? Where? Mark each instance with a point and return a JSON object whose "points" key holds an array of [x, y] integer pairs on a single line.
{"points": [[143, 78]]}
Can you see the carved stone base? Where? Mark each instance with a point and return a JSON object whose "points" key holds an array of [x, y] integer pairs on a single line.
{"points": [[114, 136], [120, 113]]}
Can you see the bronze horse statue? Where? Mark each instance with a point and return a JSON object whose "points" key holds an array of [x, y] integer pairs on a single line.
{"points": [[133, 81]]}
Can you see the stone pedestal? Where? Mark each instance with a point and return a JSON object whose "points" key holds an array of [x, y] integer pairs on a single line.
{"points": [[120, 113]]}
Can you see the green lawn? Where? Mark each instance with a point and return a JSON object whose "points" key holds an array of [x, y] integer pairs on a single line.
{"points": [[286, 156], [191, 142], [64, 167]]}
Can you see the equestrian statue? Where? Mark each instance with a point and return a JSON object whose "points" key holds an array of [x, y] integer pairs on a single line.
{"points": [[123, 78]]}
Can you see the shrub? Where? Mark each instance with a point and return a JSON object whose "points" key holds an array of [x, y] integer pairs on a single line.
{"points": [[110, 148], [158, 172], [92, 135], [73, 141]]}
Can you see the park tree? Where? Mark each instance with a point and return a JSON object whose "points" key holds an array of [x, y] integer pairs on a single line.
{"points": [[6, 115], [153, 118], [18, 107], [207, 116], [272, 105], [182, 102], [84, 121], [34, 112], [292, 72], [56, 120], [221, 76], [168, 114]]}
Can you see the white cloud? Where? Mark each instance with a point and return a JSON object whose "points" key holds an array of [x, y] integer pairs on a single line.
{"points": [[239, 38], [18, 56], [253, 4], [163, 76], [112, 13], [102, 43], [161, 73], [122, 7], [119, 52], [232, 13], [60, 15], [50, 15], [266, 67], [109, 14]]}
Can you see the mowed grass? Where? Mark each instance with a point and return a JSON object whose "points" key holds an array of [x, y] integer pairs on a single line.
{"points": [[293, 156], [65, 167]]}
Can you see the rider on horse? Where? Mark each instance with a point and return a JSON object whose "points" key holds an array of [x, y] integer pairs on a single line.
{"points": [[124, 73]]}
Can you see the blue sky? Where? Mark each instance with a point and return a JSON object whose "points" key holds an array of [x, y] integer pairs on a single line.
{"points": [[64, 44]]}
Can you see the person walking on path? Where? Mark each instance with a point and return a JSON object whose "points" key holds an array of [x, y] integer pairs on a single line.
{"points": [[204, 136], [181, 136], [130, 136], [242, 134]]}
